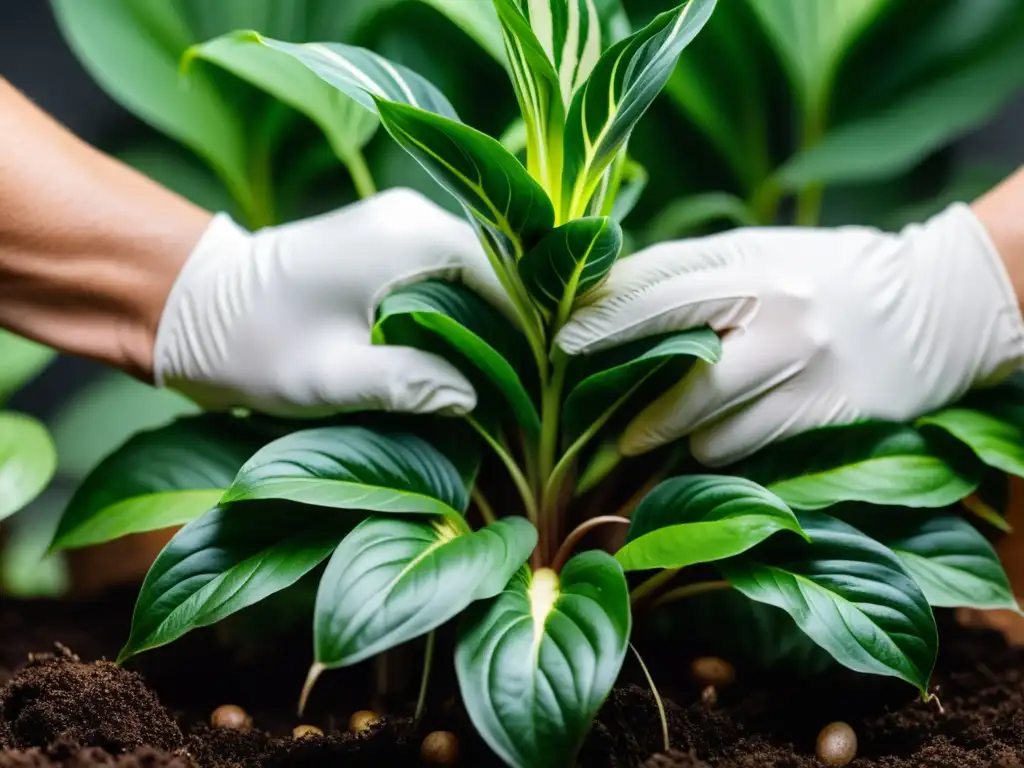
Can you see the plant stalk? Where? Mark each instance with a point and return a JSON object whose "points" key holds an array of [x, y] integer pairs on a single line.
{"points": [[808, 200], [666, 742], [529, 503], [651, 585], [362, 179], [428, 660], [577, 533], [690, 590], [486, 510]]}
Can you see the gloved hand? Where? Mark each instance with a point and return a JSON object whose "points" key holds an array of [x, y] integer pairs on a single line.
{"points": [[280, 320], [821, 327]]}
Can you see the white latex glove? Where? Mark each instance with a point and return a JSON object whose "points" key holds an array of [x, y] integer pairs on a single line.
{"points": [[822, 327], [280, 320]]}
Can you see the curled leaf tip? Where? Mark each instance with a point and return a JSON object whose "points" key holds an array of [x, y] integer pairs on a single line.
{"points": [[307, 688]]}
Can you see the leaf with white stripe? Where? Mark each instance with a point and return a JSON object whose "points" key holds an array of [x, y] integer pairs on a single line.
{"points": [[570, 32], [571, 261], [623, 84], [363, 75], [484, 176]]}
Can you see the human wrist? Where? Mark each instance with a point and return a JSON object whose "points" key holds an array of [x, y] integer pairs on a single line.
{"points": [[1001, 213]]}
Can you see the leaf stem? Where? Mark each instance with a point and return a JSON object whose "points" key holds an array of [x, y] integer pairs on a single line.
{"points": [[578, 533], [362, 179], [808, 200], [651, 585], [518, 478], [486, 510], [428, 660], [666, 742], [551, 402], [690, 590]]}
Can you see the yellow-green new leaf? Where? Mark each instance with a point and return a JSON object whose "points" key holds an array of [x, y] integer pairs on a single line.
{"points": [[622, 86]]}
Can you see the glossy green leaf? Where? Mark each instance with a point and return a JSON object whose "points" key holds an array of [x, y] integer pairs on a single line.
{"points": [[353, 468], [570, 35], [20, 361], [620, 372], [476, 170], [158, 479], [897, 138], [393, 579], [571, 261], [622, 86], [538, 91], [362, 75], [699, 519], [229, 559], [998, 443], [634, 182], [477, 333], [948, 558], [27, 461], [874, 462], [346, 123], [536, 663], [812, 37], [849, 593]]}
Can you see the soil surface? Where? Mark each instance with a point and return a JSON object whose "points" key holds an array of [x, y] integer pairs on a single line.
{"points": [[78, 711]]}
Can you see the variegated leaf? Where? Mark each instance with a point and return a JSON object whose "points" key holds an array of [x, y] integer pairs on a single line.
{"points": [[623, 84]]}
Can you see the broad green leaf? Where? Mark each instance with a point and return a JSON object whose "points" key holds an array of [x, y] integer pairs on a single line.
{"points": [[536, 662], [849, 593], [621, 371], [685, 215], [699, 519], [873, 462], [478, 20], [226, 560], [476, 170], [997, 443], [895, 139], [346, 123], [353, 468], [27, 461], [363, 76], [158, 479], [471, 329], [538, 91], [570, 262], [634, 182], [812, 38], [623, 84], [393, 579], [20, 361], [132, 48], [948, 558]]}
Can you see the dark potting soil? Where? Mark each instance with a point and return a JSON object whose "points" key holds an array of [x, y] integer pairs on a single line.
{"points": [[59, 710]]}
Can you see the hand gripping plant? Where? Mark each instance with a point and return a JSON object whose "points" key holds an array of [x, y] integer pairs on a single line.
{"points": [[418, 530]]}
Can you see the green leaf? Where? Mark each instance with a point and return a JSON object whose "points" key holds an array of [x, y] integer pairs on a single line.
{"points": [[685, 215], [393, 579], [634, 182], [471, 329], [700, 519], [624, 83], [158, 479], [893, 140], [620, 372], [132, 48], [997, 443], [227, 560], [948, 558], [849, 593], [476, 170], [20, 361], [536, 663], [362, 75], [571, 261], [346, 123], [812, 37], [873, 462], [538, 92], [353, 468], [27, 461]]}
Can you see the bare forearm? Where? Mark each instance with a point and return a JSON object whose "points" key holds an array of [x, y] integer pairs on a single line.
{"points": [[1001, 211], [88, 247]]}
